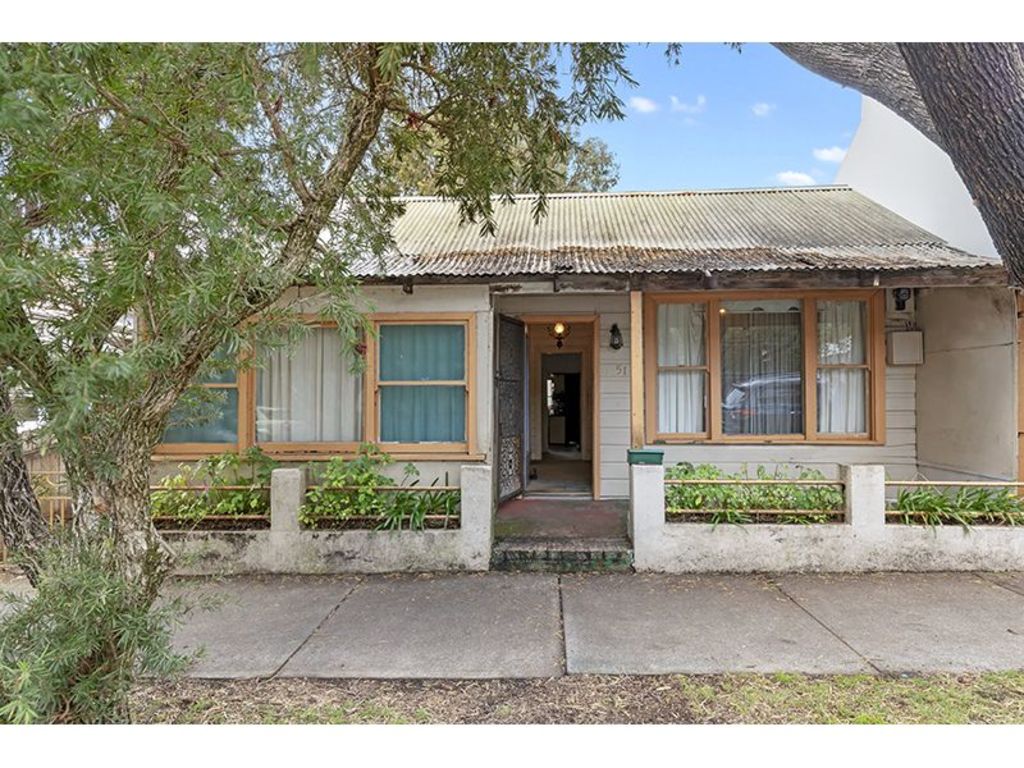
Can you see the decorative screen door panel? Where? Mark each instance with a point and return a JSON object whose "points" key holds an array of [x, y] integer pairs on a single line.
{"points": [[509, 393]]}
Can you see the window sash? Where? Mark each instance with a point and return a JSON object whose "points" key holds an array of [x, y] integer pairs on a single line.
{"points": [[419, 433], [871, 368], [304, 395]]}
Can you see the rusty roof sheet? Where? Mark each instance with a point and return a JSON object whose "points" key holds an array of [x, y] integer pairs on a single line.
{"points": [[808, 228]]}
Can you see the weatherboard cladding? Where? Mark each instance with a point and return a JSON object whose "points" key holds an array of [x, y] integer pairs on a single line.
{"points": [[811, 228]]}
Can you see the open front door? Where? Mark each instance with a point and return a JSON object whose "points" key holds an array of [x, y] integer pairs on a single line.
{"points": [[509, 396]]}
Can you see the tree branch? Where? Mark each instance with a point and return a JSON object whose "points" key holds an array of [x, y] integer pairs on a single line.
{"points": [[877, 70]]}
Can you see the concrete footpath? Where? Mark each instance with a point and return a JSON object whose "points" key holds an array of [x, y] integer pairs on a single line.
{"points": [[542, 625]]}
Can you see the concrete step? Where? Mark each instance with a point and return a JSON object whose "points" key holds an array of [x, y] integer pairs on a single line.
{"points": [[562, 555]]}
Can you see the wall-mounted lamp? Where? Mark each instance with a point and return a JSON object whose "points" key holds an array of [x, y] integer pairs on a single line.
{"points": [[558, 332], [900, 297], [615, 341]]}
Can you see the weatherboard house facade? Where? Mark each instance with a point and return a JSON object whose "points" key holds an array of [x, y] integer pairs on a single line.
{"points": [[782, 328]]}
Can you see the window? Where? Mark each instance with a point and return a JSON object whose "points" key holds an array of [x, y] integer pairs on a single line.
{"points": [[789, 367], [308, 392], [211, 424], [422, 386], [843, 381], [414, 396], [762, 367]]}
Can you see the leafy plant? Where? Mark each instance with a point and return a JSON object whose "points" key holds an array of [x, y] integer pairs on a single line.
{"points": [[965, 507], [797, 504], [350, 488], [251, 469], [70, 652]]}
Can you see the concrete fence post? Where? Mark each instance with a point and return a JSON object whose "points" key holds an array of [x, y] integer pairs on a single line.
{"points": [[287, 493], [865, 496], [646, 509], [477, 515]]}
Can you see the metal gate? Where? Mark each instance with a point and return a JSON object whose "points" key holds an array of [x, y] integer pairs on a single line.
{"points": [[509, 393]]}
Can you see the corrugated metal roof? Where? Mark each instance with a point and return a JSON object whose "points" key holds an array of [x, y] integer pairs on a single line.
{"points": [[832, 228]]}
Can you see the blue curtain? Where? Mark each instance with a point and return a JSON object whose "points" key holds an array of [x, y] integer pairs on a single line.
{"points": [[425, 413], [422, 353], [422, 414]]}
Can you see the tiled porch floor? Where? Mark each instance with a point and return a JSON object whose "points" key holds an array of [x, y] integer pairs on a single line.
{"points": [[561, 518]]}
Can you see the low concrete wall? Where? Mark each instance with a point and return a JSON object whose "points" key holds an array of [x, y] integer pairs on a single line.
{"points": [[863, 543], [287, 548]]}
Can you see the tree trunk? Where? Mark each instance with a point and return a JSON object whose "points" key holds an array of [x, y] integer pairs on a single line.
{"points": [[975, 94], [21, 522], [117, 505]]}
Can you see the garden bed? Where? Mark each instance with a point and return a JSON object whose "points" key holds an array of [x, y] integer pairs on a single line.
{"points": [[755, 516], [214, 523], [705, 494], [968, 505], [379, 523]]}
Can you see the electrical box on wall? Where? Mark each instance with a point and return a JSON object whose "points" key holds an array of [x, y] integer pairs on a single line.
{"points": [[899, 302], [904, 348]]}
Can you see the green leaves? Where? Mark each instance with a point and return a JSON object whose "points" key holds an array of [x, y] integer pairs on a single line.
{"points": [[352, 488], [966, 506], [724, 503], [71, 652]]}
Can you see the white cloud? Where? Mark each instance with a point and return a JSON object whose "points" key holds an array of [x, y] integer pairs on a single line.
{"points": [[690, 109], [643, 104], [794, 178], [762, 109], [829, 154]]}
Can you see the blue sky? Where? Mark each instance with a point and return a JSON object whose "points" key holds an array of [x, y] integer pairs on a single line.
{"points": [[727, 119]]}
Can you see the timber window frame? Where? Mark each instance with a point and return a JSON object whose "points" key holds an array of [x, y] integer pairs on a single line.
{"points": [[375, 384], [243, 389], [285, 448], [245, 381], [874, 365]]}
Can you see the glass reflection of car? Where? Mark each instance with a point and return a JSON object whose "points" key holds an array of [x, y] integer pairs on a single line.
{"points": [[767, 405]]}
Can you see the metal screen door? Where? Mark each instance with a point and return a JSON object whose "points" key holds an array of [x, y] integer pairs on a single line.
{"points": [[509, 393]]}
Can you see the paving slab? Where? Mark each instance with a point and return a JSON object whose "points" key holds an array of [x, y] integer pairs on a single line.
{"points": [[1012, 580], [919, 623], [661, 624], [257, 623], [440, 626]]}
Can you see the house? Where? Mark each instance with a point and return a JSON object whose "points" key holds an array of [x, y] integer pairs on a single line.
{"points": [[772, 327]]}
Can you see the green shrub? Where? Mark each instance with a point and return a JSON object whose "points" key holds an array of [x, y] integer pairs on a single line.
{"points": [[964, 507], [251, 469], [363, 476], [71, 652], [797, 504]]}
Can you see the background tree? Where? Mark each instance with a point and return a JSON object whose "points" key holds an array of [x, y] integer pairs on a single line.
{"points": [[158, 200], [585, 166], [968, 98]]}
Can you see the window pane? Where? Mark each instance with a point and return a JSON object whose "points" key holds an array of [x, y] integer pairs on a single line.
{"points": [[210, 423], [681, 334], [842, 327], [422, 352], [228, 376], [842, 400], [423, 414], [308, 392], [762, 367], [681, 402]]}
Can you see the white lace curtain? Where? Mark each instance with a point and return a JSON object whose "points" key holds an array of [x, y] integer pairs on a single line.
{"points": [[762, 367], [842, 392], [308, 393]]}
